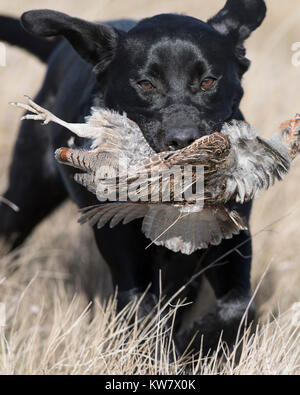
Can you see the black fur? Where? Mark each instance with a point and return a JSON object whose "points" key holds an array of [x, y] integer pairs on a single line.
{"points": [[12, 32], [175, 53]]}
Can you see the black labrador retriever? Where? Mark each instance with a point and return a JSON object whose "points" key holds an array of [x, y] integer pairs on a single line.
{"points": [[179, 78]]}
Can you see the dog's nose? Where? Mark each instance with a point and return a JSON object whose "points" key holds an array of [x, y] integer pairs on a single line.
{"points": [[178, 138]]}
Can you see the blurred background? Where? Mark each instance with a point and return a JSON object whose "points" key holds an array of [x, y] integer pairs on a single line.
{"points": [[271, 86]]}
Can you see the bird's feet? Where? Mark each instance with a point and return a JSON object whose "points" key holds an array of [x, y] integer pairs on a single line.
{"points": [[291, 132], [291, 124], [38, 112]]}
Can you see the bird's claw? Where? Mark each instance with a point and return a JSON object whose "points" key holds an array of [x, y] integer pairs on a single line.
{"points": [[37, 112]]}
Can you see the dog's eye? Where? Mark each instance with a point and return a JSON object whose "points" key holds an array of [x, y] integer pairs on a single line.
{"points": [[146, 85], [207, 83]]}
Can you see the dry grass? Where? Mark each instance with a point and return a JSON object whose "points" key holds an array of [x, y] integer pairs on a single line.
{"points": [[53, 332], [48, 329]]}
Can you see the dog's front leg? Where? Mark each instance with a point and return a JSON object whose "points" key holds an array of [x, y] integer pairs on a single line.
{"points": [[227, 269], [124, 249]]}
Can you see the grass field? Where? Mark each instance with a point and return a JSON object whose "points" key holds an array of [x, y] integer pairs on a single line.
{"points": [[48, 328]]}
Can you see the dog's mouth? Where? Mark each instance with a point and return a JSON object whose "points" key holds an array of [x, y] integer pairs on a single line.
{"points": [[158, 144], [154, 133], [218, 125]]}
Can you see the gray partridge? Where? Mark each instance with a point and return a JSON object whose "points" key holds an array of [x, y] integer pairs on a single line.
{"points": [[120, 166]]}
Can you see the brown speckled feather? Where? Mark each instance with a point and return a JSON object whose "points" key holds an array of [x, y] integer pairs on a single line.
{"points": [[237, 164]]}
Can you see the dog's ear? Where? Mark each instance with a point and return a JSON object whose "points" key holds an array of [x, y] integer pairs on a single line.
{"points": [[238, 18], [95, 43]]}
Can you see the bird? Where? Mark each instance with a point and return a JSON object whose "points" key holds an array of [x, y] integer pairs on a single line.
{"points": [[132, 181]]}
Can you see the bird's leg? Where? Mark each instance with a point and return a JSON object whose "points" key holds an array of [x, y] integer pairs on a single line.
{"points": [[41, 114]]}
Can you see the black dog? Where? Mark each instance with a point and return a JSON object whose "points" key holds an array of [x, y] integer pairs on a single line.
{"points": [[179, 78]]}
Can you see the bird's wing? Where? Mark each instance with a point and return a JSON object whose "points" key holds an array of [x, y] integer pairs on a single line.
{"points": [[187, 232], [114, 213], [254, 163], [171, 226]]}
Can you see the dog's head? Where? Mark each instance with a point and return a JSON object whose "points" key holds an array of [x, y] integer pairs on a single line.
{"points": [[179, 78]]}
